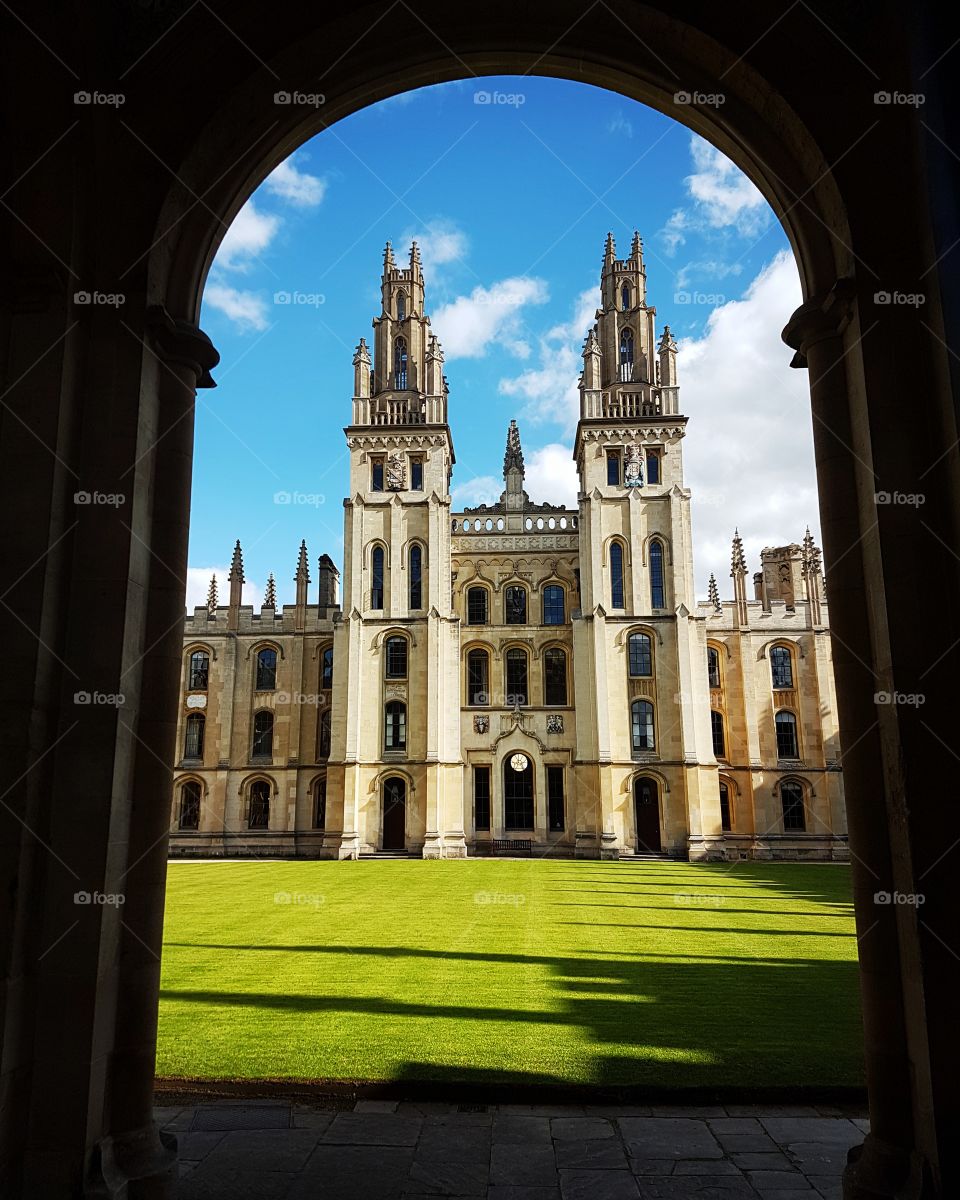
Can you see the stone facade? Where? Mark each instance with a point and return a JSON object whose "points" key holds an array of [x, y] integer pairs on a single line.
{"points": [[517, 671]]}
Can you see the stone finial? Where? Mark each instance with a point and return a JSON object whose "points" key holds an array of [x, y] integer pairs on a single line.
{"points": [[636, 249], [513, 458], [388, 263], [667, 340], [213, 598], [362, 354], [738, 560], [713, 593], [270, 594], [415, 266], [303, 568], [236, 565], [434, 349], [591, 345], [609, 249]]}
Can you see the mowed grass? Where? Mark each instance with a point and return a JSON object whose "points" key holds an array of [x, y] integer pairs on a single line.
{"points": [[616, 974]]}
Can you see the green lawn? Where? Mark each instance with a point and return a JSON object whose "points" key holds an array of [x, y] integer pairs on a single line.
{"points": [[651, 973]]}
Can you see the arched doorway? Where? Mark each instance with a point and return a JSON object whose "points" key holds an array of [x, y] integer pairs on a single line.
{"points": [[394, 814], [517, 791], [646, 814]]}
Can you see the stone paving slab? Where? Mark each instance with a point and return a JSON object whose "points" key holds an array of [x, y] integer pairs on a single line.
{"points": [[412, 1150]]}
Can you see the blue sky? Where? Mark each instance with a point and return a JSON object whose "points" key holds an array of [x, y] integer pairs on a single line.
{"points": [[510, 186]]}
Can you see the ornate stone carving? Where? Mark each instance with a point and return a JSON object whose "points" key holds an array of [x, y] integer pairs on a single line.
{"points": [[555, 723], [481, 723], [395, 472], [633, 466]]}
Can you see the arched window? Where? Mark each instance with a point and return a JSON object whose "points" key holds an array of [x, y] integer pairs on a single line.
{"points": [[395, 726], [376, 577], [199, 671], [616, 575], [401, 306], [625, 297], [326, 669], [400, 364], [263, 734], [554, 676], [190, 805], [726, 822], [396, 658], [478, 677], [781, 667], [320, 803], [716, 728], [323, 741], [516, 677], [657, 599], [713, 666], [259, 814], [193, 736], [653, 466], [266, 670], [641, 725], [553, 605], [476, 606], [641, 655], [786, 724], [416, 576], [517, 792], [791, 801], [626, 356], [515, 605]]}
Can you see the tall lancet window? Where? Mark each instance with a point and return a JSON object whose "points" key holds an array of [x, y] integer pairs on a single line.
{"points": [[400, 364], [657, 599], [416, 576], [376, 577], [625, 297], [626, 356], [401, 306]]}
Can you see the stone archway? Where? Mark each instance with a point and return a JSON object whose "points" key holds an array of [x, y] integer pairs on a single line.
{"points": [[109, 597]]}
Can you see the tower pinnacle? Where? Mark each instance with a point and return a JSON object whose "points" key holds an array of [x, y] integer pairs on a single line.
{"points": [[713, 593], [609, 250], [236, 565], [513, 458], [270, 593]]}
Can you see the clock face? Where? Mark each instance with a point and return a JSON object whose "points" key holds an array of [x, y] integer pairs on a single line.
{"points": [[519, 762]]}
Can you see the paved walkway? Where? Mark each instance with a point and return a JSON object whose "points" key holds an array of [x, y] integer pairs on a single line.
{"points": [[381, 1150]]}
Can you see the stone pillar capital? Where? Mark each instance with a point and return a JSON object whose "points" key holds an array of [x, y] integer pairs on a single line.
{"points": [[822, 316], [179, 341]]}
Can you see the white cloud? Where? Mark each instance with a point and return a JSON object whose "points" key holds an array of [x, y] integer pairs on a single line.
{"points": [[248, 237], [295, 186], [551, 475], [620, 124], [482, 489], [440, 242], [247, 310], [748, 453], [468, 325], [549, 391], [198, 583]]}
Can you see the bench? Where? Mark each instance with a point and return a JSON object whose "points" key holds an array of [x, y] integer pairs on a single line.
{"points": [[512, 846]]}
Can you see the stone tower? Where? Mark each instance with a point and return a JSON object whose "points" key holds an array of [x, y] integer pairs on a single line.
{"points": [[396, 647], [636, 554]]}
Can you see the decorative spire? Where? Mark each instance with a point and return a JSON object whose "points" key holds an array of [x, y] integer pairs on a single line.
{"points": [[738, 560], [270, 595], [636, 249], [609, 249], [212, 596], [303, 567], [415, 268], [388, 263], [590, 343], [236, 566], [713, 592], [361, 354], [513, 458], [667, 340]]}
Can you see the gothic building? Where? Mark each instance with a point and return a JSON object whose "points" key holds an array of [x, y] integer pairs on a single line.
{"points": [[517, 676]]}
